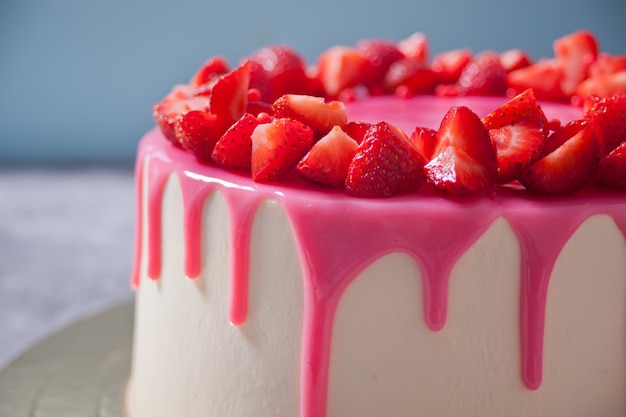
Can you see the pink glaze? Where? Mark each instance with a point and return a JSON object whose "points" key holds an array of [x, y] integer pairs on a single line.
{"points": [[433, 229]]}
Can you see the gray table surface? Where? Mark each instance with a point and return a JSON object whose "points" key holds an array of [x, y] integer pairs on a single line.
{"points": [[66, 245]]}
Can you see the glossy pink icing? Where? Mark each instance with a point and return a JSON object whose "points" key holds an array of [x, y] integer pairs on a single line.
{"points": [[435, 230]]}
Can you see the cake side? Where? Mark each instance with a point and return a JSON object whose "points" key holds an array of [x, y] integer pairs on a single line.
{"points": [[372, 231]]}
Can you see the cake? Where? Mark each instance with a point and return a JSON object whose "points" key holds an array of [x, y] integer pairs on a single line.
{"points": [[424, 274]]}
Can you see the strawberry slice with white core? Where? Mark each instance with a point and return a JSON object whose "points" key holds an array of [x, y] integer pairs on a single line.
{"points": [[328, 160], [464, 161], [517, 146], [172, 108], [544, 77], [314, 112], [277, 147], [229, 96], [567, 169], [575, 53], [386, 164]]}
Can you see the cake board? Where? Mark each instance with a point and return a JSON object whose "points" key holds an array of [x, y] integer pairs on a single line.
{"points": [[79, 371]]}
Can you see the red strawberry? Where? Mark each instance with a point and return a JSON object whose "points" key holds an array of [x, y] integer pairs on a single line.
{"points": [[170, 109], [565, 170], [575, 52], [450, 64], [339, 68], [261, 81], [562, 134], [521, 108], [544, 77], [285, 68], [314, 112], [464, 161], [229, 96], [607, 64], [386, 164], [608, 120], [198, 131], [277, 147], [234, 149], [484, 76], [209, 71], [612, 169], [415, 47], [357, 130], [602, 86], [380, 55], [518, 146], [328, 160], [513, 59], [424, 140], [412, 75]]}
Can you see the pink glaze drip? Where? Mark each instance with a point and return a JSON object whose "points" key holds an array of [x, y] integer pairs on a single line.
{"points": [[432, 229]]}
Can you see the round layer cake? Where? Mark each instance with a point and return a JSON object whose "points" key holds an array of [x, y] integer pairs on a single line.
{"points": [[271, 295]]}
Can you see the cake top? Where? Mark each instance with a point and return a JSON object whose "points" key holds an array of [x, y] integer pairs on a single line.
{"points": [[276, 117]]}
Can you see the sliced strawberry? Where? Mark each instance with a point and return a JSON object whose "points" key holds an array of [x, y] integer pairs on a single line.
{"points": [[285, 68], [612, 168], [563, 133], [380, 54], [415, 47], [513, 59], [260, 80], [518, 146], [544, 77], [198, 131], [412, 75], [277, 147], [521, 108], [424, 140], [450, 64], [170, 109], [229, 96], [566, 170], [234, 149], [357, 130], [314, 112], [484, 76], [341, 67], [602, 86], [386, 164], [575, 52], [464, 161], [607, 117], [328, 160], [607, 64], [209, 71]]}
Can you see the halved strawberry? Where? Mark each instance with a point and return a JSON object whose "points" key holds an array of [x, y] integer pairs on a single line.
{"points": [[229, 96], [450, 64], [209, 71], [413, 75], [339, 68], [484, 76], [612, 168], [521, 108], [285, 68], [234, 149], [544, 77], [575, 52], [513, 59], [277, 147], [567, 169], [415, 47], [314, 112], [170, 109], [328, 160], [602, 86], [608, 119], [386, 164], [424, 140], [381, 54], [518, 146], [464, 161], [198, 131], [607, 64]]}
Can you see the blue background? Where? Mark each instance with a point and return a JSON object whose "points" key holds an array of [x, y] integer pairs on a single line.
{"points": [[78, 78]]}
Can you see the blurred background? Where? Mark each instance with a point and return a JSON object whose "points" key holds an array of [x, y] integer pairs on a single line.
{"points": [[77, 82]]}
